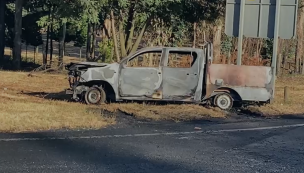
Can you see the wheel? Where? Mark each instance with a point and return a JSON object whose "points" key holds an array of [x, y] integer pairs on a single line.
{"points": [[223, 101], [95, 96]]}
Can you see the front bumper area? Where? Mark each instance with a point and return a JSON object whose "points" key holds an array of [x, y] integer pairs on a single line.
{"points": [[69, 91], [77, 92]]}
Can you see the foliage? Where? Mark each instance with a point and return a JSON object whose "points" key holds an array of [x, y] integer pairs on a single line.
{"points": [[80, 37], [226, 46], [136, 24], [9, 32], [105, 48], [268, 48], [31, 31]]}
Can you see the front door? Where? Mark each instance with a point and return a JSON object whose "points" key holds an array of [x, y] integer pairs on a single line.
{"points": [[180, 75], [141, 75]]}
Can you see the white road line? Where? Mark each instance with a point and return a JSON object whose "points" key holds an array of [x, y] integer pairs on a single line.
{"points": [[152, 134]]}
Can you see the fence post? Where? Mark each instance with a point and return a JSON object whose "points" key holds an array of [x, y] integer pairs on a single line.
{"points": [[80, 53], [229, 58], [286, 94], [279, 64]]}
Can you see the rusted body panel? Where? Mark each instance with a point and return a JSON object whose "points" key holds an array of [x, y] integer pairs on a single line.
{"points": [[250, 82], [242, 76]]}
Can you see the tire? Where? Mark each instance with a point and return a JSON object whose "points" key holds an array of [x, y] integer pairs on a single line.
{"points": [[223, 101], [95, 96]]}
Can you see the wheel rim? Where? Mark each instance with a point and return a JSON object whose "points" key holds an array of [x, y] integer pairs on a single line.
{"points": [[94, 96], [224, 102]]}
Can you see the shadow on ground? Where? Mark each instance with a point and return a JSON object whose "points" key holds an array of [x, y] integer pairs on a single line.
{"points": [[61, 96], [110, 156], [8, 64], [239, 114]]}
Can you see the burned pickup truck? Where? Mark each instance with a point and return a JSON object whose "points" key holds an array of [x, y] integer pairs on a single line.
{"points": [[170, 74]]}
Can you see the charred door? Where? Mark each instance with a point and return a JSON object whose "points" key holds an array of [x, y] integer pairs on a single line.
{"points": [[141, 75], [180, 75]]}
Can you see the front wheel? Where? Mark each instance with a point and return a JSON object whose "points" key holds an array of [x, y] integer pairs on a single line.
{"points": [[223, 101], [95, 96]]}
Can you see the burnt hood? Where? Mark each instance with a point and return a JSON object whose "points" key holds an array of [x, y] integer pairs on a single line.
{"points": [[72, 65]]}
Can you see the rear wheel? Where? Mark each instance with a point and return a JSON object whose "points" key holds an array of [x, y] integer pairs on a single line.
{"points": [[95, 96], [223, 101]]}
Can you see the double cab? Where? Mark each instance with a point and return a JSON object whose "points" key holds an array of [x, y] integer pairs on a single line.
{"points": [[170, 74]]}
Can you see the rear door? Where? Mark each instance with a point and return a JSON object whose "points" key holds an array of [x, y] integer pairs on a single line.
{"points": [[180, 74]]}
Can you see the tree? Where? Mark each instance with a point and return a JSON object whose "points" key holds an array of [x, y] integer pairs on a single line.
{"points": [[61, 44], [2, 29], [17, 35], [80, 38], [31, 34], [133, 18], [300, 36], [205, 11]]}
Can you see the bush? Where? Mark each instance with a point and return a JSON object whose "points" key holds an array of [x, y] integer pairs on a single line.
{"points": [[106, 48]]}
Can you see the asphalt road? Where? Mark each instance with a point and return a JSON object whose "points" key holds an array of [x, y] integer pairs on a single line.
{"points": [[242, 145]]}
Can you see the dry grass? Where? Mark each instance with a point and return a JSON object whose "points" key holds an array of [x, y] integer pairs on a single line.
{"points": [[24, 107], [37, 103], [294, 106]]}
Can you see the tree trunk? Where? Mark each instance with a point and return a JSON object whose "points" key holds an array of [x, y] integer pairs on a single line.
{"points": [[92, 45], [52, 48], [89, 34], [52, 31], [36, 52], [194, 34], [129, 31], [217, 36], [114, 36], [61, 43], [80, 52], [300, 37], [2, 29], [17, 36], [140, 36], [130, 37], [299, 53], [46, 45], [26, 52], [122, 39], [130, 21], [63, 53]]}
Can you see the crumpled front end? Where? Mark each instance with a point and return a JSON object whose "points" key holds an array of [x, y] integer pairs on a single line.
{"points": [[83, 76], [75, 78]]}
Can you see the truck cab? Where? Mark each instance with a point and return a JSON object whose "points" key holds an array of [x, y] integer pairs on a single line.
{"points": [[170, 74]]}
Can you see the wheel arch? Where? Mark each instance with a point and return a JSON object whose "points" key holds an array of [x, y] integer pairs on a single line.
{"points": [[235, 95], [106, 86]]}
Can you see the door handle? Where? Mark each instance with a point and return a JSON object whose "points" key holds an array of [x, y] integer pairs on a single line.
{"points": [[159, 72]]}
